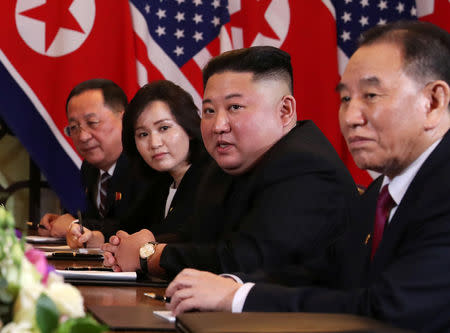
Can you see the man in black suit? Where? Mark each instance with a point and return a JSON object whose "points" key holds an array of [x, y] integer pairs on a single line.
{"points": [[94, 111], [277, 180], [395, 117]]}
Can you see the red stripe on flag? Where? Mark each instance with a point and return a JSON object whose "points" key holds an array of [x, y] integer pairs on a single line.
{"points": [[441, 14], [194, 74], [313, 50], [214, 47], [153, 73]]}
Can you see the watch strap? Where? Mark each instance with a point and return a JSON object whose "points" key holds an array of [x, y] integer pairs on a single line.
{"points": [[144, 265]]}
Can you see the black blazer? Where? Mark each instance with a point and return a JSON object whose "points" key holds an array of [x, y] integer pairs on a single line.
{"points": [[408, 282], [299, 190], [182, 208], [126, 193]]}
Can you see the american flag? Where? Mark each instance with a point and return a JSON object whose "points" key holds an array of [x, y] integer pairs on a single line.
{"points": [[49, 46], [175, 35], [183, 28], [356, 16]]}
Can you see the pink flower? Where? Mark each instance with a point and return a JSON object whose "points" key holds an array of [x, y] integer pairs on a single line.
{"points": [[38, 259]]}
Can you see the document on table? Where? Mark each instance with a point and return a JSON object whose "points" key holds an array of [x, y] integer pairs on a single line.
{"points": [[98, 275], [83, 253], [45, 239], [52, 248], [167, 315]]}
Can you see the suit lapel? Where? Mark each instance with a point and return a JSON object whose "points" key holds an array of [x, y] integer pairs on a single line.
{"points": [[413, 205], [91, 185], [115, 182]]}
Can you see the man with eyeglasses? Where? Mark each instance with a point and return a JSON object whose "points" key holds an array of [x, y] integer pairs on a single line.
{"points": [[94, 111]]}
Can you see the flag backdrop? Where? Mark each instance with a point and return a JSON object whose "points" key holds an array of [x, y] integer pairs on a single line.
{"points": [[48, 46]]}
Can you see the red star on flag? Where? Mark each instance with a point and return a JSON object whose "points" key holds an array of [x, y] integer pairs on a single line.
{"points": [[56, 15], [252, 17]]}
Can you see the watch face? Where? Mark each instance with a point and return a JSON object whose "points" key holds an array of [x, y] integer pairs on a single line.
{"points": [[147, 250]]}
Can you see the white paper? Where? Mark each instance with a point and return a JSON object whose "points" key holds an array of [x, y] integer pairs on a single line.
{"points": [[167, 315], [45, 239], [98, 275], [52, 247], [91, 250]]}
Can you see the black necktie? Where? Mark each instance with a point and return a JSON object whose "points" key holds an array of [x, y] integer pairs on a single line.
{"points": [[104, 180]]}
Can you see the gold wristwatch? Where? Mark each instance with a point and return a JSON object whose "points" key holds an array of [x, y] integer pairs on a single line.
{"points": [[145, 252]]}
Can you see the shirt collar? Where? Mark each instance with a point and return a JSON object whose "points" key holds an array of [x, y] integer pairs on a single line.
{"points": [[110, 170], [399, 184]]}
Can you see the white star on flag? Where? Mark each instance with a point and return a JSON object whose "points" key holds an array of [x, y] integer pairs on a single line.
{"points": [[382, 5], [347, 17], [160, 31], [364, 20], [161, 13], [178, 51], [345, 35], [179, 17], [215, 21], [197, 18], [198, 36], [179, 33]]}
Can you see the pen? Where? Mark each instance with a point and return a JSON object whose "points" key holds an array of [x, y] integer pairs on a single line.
{"points": [[40, 226], [68, 255], [158, 297], [105, 269], [80, 221]]}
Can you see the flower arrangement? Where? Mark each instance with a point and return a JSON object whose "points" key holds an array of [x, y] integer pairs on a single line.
{"points": [[33, 298]]}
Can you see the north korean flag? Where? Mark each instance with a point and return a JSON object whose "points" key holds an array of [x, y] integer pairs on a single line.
{"points": [[46, 48]]}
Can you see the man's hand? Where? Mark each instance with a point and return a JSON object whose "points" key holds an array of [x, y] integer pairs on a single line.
{"points": [[75, 239], [197, 290], [55, 225], [46, 222], [122, 253], [109, 250]]}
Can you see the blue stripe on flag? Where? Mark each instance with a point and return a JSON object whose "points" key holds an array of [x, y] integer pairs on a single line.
{"points": [[26, 123]]}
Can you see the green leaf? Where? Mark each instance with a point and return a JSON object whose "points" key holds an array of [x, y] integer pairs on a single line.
{"points": [[47, 315], [81, 325]]}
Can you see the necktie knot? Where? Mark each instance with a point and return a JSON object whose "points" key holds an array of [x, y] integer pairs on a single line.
{"points": [[384, 205]]}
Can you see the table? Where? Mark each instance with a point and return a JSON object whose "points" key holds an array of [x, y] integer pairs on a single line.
{"points": [[112, 295]]}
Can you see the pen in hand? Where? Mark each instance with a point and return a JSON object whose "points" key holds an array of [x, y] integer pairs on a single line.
{"points": [[158, 297], [80, 221]]}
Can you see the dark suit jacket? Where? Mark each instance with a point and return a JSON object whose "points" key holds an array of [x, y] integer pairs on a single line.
{"points": [[126, 195], [408, 282], [183, 203], [299, 190]]}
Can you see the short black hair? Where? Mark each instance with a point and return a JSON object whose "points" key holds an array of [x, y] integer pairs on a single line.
{"points": [[113, 95], [425, 47], [181, 106], [262, 61]]}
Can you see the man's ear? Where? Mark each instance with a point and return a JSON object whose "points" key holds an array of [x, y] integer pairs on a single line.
{"points": [[438, 96], [288, 110]]}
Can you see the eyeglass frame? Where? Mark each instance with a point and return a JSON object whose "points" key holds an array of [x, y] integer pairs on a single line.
{"points": [[91, 125]]}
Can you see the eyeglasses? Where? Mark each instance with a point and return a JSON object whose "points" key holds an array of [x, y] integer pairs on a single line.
{"points": [[75, 129]]}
